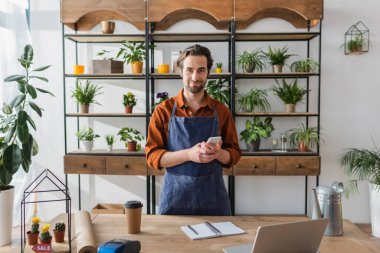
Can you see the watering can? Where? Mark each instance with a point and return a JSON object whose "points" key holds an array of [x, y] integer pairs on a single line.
{"points": [[328, 204]]}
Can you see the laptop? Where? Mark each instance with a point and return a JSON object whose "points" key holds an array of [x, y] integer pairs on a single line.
{"points": [[293, 237]]}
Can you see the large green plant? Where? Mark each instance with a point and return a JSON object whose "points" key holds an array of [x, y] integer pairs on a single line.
{"points": [[256, 129], [278, 56], [251, 61], [364, 164], [305, 65], [219, 89], [308, 135], [255, 99], [129, 134], [17, 145], [289, 93], [132, 51], [85, 94]]}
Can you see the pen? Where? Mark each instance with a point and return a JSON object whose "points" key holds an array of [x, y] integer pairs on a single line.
{"points": [[192, 229], [214, 229]]}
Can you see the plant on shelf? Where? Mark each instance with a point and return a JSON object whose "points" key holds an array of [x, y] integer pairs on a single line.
{"points": [[110, 139], [131, 137], [87, 137], [218, 68], [290, 94], [45, 237], [277, 57], [356, 44], [85, 94], [254, 131], [365, 165], [129, 101], [59, 232], [251, 61], [305, 66], [219, 89], [106, 65], [304, 138], [162, 96], [254, 100], [133, 53], [33, 233], [104, 54]]}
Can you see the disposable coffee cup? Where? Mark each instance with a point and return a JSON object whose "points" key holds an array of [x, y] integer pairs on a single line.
{"points": [[133, 216]]}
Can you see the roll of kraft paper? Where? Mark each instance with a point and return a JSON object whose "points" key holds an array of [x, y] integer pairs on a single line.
{"points": [[84, 233]]}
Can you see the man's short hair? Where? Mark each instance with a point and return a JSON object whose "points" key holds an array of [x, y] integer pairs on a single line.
{"points": [[196, 50]]}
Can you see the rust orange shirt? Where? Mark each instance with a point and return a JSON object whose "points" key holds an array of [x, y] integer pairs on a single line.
{"points": [[157, 140]]}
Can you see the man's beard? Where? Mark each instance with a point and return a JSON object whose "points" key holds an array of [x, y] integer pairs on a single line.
{"points": [[195, 89]]}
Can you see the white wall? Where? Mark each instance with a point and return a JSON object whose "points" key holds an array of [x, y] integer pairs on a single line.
{"points": [[349, 114]]}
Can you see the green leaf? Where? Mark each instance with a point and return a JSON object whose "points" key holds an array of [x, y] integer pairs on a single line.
{"points": [[28, 53], [25, 165], [31, 122], [14, 78], [10, 134], [23, 132], [36, 108], [25, 63], [5, 177], [32, 91], [22, 117], [12, 159], [27, 153], [17, 100], [42, 68], [21, 87], [40, 77], [45, 91], [35, 148], [7, 109]]}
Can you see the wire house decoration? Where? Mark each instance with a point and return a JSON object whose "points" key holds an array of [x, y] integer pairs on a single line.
{"points": [[33, 188], [357, 39]]}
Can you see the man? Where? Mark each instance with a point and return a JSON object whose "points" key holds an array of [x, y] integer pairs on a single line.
{"points": [[177, 135]]}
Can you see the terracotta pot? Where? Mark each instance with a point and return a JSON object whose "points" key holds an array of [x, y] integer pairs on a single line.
{"points": [[131, 146], [277, 68], [47, 241], [59, 236], [137, 67], [32, 238], [128, 109], [302, 147], [84, 108], [290, 107]]}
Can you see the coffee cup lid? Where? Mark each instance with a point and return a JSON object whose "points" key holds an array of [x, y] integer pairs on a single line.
{"points": [[133, 204]]}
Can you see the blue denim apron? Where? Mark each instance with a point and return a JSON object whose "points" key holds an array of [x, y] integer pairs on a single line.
{"points": [[193, 188]]}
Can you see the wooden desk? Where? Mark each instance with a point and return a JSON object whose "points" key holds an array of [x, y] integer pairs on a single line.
{"points": [[163, 234]]}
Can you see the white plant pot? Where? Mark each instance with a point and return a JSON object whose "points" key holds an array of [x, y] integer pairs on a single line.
{"points": [[6, 216], [87, 145], [109, 148], [374, 200]]}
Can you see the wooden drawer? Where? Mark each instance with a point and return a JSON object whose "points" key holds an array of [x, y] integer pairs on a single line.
{"points": [[81, 164], [126, 165], [154, 172], [255, 165], [298, 165]]}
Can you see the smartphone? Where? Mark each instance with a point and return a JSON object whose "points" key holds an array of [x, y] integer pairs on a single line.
{"points": [[214, 140]]}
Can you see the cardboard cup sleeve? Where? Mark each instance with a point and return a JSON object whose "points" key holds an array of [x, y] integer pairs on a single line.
{"points": [[84, 233]]}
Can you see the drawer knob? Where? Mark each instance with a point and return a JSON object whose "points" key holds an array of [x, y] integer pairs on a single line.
{"points": [[299, 166], [84, 165], [254, 166], [126, 166]]}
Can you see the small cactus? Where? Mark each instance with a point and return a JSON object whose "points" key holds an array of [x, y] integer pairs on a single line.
{"points": [[35, 225], [59, 226], [45, 235]]}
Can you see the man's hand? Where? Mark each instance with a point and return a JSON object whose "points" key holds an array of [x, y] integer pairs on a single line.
{"points": [[204, 152]]}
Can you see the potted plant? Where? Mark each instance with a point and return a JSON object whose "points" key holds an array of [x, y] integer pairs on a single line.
{"points": [[365, 165], [59, 232], [218, 68], [106, 65], [162, 96], [87, 137], [17, 144], [290, 94], [304, 138], [133, 53], [251, 61], [110, 139], [131, 137], [33, 233], [129, 101], [219, 89], [277, 57], [305, 66], [45, 237], [355, 44], [85, 95], [254, 131], [254, 99]]}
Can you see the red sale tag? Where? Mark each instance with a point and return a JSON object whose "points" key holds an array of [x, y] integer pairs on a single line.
{"points": [[42, 248]]}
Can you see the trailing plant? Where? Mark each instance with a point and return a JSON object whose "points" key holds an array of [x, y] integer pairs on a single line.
{"points": [[129, 134], [364, 164], [86, 134], [289, 93], [305, 65], [251, 61], [256, 129], [308, 136], [162, 96], [129, 99], [59, 227], [110, 139], [104, 54], [219, 89], [45, 235], [255, 99], [85, 94], [277, 56], [17, 145], [35, 225]]}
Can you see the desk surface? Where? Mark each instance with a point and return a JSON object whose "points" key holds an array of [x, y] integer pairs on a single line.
{"points": [[163, 234]]}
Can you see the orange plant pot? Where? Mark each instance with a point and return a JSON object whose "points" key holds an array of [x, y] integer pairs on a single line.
{"points": [[163, 68], [59, 236], [128, 109], [78, 69], [32, 238], [302, 147], [47, 241], [132, 146], [137, 67]]}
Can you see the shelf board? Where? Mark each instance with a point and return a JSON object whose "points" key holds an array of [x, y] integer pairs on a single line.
{"points": [[107, 76], [105, 115], [277, 152], [276, 114], [177, 76], [276, 36], [193, 37], [104, 38], [114, 152], [275, 75]]}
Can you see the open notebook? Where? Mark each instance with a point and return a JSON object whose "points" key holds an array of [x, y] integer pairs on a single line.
{"points": [[210, 230]]}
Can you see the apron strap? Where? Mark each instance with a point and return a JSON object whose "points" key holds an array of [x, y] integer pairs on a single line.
{"points": [[174, 109]]}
